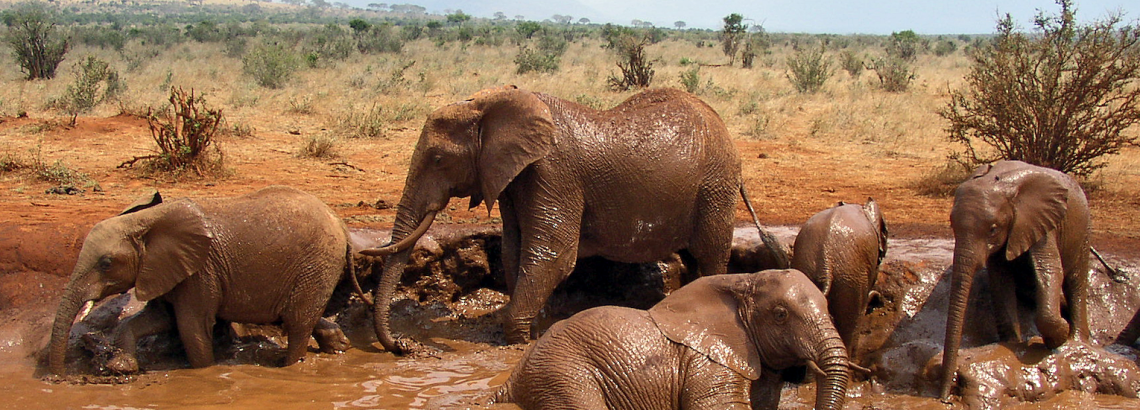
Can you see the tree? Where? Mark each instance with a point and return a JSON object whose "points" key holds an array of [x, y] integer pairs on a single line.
{"points": [[1059, 97], [36, 45], [459, 17], [731, 34], [560, 19], [904, 45], [500, 16], [679, 24], [583, 20]]}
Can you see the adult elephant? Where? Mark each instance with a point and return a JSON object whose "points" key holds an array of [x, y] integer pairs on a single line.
{"points": [[273, 255], [636, 183], [705, 346], [1028, 226], [840, 249]]}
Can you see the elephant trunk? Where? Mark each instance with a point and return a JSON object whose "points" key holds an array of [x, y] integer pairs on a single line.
{"points": [[962, 278], [831, 385], [402, 233], [73, 299]]}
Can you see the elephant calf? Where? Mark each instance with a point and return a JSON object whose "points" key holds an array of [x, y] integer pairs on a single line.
{"points": [[702, 347], [274, 255], [840, 249]]}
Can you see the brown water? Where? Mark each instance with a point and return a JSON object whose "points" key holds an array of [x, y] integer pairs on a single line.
{"points": [[904, 335], [355, 379]]}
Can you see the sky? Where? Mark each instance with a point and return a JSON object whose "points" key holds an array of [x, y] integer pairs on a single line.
{"points": [[813, 16]]}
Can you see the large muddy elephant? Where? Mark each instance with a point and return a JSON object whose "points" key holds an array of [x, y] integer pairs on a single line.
{"points": [[705, 346], [840, 249], [273, 255], [1028, 226], [656, 174]]}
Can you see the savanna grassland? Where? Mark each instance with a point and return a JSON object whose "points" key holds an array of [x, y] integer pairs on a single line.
{"points": [[343, 124]]}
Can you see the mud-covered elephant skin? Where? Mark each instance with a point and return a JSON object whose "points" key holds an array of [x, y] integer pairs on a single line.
{"points": [[1028, 226], [840, 249], [709, 345], [654, 175], [270, 256]]}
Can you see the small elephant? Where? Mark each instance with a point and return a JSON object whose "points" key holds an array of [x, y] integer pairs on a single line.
{"points": [[656, 174], [1028, 226], [840, 249], [712, 344], [273, 255]]}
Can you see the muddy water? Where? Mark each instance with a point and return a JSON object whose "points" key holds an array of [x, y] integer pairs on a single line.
{"points": [[448, 302]]}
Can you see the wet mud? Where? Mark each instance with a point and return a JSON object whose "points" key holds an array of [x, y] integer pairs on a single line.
{"points": [[449, 298]]}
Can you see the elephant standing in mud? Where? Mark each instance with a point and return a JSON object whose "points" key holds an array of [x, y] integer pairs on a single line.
{"points": [[705, 346], [273, 255], [1028, 226], [656, 174], [840, 249]]}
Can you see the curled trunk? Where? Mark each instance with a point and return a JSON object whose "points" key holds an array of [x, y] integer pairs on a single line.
{"points": [[831, 386], [69, 306], [402, 233]]}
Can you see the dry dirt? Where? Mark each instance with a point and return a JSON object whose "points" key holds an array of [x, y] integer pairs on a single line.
{"points": [[41, 233]]}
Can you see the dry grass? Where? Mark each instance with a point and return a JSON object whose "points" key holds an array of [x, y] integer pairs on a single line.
{"points": [[847, 118]]}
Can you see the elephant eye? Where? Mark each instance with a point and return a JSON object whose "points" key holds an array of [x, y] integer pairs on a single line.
{"points": [[104, 263], [437, 159], [780, 313]]}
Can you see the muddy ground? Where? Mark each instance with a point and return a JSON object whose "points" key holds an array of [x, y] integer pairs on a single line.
{"points": [[455, 285]]}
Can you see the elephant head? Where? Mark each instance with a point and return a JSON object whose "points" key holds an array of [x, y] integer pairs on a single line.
{"points": [[766, 320], [151, 247], [473, 148], [1000, 212]]}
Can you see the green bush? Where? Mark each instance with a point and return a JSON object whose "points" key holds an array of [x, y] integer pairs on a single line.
{"points": [[36, 45], [894, 74], [636, 68], [95, 82], [535, 60], [851, 63], [1060, 97], [382, 38], [691, 79], [945, 47], [270, 65], [809, 69]]}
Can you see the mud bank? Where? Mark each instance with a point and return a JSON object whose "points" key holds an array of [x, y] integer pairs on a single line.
{"points": [[448, 300]]}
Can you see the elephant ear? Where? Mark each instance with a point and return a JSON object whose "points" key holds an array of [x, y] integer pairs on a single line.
{"points": [[875, 215], [1040, 201], [174, 247], [705, 316], [516, 129], [147, 201]]}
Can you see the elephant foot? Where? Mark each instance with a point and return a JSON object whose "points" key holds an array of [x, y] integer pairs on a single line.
{"points": [[331, 340], [410, 347], [122, 363], [517, 332]]}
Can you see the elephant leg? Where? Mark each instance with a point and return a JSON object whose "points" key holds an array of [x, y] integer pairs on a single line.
{"points": [[153, 319], [510, 245], [196, 329], [1050, 280], [847, 301], [765, 391], [711, 244], [330, 338], [1003, 295]]}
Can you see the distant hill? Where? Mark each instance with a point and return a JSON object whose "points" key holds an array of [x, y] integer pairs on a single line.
{"points": [[529, 9]]}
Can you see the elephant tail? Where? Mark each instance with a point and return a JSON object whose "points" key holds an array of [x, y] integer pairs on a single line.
{"points": [[350, 270], [769, 240], [1117, 275]]}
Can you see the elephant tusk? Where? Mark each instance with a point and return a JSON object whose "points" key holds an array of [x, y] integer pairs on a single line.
{"points": [[406, 242], [815, 368], [88, 306]]}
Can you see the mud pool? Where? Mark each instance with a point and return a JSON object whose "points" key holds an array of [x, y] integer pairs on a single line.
{"points": [[454, 286]]}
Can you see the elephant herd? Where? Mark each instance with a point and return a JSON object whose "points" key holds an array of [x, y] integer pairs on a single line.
{"points": [[654, 176]]}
